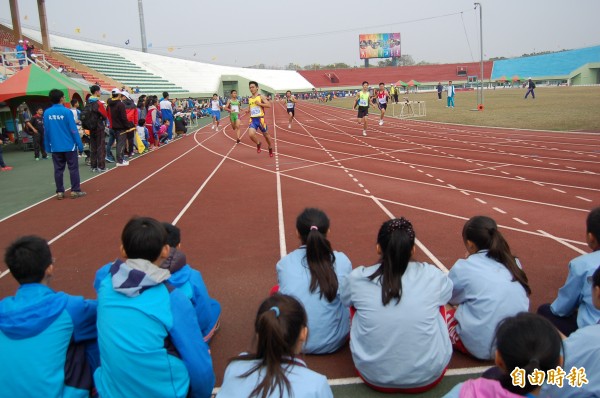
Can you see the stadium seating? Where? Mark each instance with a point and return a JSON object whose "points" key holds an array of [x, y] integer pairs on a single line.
{"points": [[122, 70], [426, 74], [547, 66]]}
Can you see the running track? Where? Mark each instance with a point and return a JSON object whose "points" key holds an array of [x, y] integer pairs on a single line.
{"points": [[237, 208]]}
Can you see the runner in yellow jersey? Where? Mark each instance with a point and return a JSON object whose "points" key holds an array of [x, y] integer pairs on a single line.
{"points": [[363, 101], [233, 106], [256, 104]]}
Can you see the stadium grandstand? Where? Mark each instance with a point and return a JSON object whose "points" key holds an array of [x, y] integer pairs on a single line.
{"points": [[427, 75], [575, 67]]}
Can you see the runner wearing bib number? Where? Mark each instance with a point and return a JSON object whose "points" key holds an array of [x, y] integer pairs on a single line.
{"points": [[382, 99], [290, 103], [215, 108], [233, 106], [257, 103], [363, 101]]}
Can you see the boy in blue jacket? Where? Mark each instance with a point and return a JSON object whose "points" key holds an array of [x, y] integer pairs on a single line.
{"points": [[190, 282], [47, 338], [150, 342]]}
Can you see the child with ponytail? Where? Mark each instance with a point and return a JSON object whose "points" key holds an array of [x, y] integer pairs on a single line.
{"points": [[313, 274], [489, 285], [274, 371], [399, 339], [526, 341]]}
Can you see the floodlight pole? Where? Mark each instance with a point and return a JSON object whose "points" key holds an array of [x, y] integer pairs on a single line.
{"points": [[142, 26], [480, 96]]}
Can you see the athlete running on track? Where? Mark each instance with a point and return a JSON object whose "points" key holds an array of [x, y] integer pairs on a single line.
{"points": [[233, 107], [382, 100], [290, 103], [215, 107], [363, 100], [256, 105]]}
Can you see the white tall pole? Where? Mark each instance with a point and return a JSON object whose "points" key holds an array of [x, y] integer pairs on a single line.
{"points": [[480, 96], [142, 26]]}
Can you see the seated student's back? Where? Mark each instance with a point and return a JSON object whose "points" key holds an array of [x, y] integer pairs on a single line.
{"points": [[573, 307], [274, 371], [189, 281], [314, 274], [44, 333], [582, 350], [489, 285], [399, 339], [150, 342]]}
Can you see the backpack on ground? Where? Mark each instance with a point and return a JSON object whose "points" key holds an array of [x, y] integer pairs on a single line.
{"points": [[90, 116]]}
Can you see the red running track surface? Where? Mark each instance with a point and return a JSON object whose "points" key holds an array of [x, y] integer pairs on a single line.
{"points": [[538, 186]]}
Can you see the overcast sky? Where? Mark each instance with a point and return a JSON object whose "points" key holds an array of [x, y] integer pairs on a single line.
{"points": [[277, 32]]}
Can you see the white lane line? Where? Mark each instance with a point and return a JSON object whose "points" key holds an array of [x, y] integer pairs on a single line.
{"points": [[280, 220], [558, 190], [520, 221], [553, 164], [429, 175], [367, 192], [437, 179], [110, 202], [361, 185], [421, 246], [499, 210], [465, 193], [3, 274], [562, 242], [582, 198], [538, 183], [451, 186], [481, 201], [504, 172]]}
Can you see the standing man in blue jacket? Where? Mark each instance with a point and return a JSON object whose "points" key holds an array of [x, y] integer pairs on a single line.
{"points": [[47, 338], [63, 141]]}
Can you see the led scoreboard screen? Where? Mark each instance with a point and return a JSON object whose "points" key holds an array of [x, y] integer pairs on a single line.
{"points": [[379, 45]]}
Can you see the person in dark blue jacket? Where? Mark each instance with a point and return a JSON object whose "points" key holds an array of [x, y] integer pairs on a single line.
{"points": [[148, 333], [47, 338], [190, 282], [63, 141]]}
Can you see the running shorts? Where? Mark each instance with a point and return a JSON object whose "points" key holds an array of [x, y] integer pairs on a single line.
{"points": [[258, 124], [233, 117], [216, 114], [363, 111]]}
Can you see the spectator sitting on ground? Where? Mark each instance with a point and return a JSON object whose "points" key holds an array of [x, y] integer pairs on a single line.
{"points": [[43, 333], [190, 282], [163, 136], [150, 342], [573, 308]]}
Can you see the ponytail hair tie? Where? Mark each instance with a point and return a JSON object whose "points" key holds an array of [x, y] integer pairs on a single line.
{"points": [[314, 228], [275, 309]]}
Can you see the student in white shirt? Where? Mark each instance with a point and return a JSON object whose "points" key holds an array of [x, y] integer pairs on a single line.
{"points": [[489, 285], [274, 369], [314, 274], [398, 338]]}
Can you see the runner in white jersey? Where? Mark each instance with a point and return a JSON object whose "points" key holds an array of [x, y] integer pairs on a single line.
{"points": [[290, 104], [382, 100], [215, 108]]}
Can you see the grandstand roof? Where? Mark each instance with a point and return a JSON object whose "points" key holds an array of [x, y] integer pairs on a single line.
{"points": [[422, 73], [195, 77], [559, 64]]}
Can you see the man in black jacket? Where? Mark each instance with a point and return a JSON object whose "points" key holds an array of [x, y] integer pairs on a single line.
{"points": [[119, 124], [530, 87]]}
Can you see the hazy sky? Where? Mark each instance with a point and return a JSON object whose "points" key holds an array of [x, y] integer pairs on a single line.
{"points": [[277, 32]]}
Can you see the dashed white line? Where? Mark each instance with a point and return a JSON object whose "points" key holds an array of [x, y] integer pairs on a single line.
{"points": [[429, 175], [520, 221], [481, 201], [558, 190], [582, 198], [538, 183], [437, 179], [465, 193], [499, 210]]}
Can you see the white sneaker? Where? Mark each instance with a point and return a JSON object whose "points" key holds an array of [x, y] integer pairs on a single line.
{"points": [[213, 127], [289, 126], [365, 133], [125, 163], [381, 122]]}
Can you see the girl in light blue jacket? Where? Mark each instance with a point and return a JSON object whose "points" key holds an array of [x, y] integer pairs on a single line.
{"points": [[489, 285], [315, 274]]}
